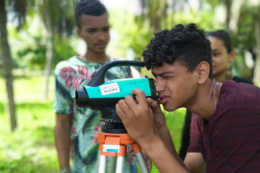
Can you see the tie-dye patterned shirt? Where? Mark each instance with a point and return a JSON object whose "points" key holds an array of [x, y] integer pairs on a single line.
{"points": [[71, 75]]}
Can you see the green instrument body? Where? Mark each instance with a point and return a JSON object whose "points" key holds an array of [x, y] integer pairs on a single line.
{"points": [[99, 94]]}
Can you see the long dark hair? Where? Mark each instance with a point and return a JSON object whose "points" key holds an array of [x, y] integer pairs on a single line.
{"points": [[224, 36]]}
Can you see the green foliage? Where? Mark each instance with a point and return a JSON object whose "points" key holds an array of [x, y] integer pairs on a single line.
{"points": [[57, 16], [175, 121], [245, 38], [28, 44], [135, 34], [33, 53], [133, 31], [30, 148], [213, 3]]}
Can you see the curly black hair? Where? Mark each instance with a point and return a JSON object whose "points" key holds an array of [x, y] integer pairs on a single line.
{"points": [[88, 7], [185, 44], [224, 36]]}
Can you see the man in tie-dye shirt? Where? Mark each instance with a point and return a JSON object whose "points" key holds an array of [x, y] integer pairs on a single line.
{"points": [[76, 128]]}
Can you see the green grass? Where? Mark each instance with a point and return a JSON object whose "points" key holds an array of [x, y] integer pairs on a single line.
{"points": [[30, 149]]}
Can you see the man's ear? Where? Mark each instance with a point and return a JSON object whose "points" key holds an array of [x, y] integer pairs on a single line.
{"points": [[79, 32], [203, 70]]}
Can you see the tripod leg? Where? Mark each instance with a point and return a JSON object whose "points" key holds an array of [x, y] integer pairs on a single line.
{"points": [[140, 158], [98, 160], [112, 164], [102, 164], [119, 164], [141, 162]]}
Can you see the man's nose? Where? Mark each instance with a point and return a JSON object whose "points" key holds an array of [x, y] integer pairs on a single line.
{"points": [[159, 86], [101, 36]]}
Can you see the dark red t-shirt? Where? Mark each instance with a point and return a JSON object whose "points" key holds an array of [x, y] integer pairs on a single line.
{"points": [[230, 141]]}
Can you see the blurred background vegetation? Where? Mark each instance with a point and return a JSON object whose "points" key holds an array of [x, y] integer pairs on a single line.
{"points": [[37, 34]]}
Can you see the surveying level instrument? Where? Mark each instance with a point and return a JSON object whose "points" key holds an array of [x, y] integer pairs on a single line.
{"points": [[103, 96]]}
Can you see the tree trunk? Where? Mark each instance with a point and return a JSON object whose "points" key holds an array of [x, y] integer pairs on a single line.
{"points": [[257, 50], [49, 58], [7, 66], [228, 16]]}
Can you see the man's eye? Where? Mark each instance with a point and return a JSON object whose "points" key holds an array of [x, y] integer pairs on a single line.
{"points": [[167, 77], [106, 29], [92, 31], [216, 54]]}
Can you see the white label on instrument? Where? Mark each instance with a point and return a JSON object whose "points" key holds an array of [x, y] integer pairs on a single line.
{"points": [[109, 88], [111, 148]]}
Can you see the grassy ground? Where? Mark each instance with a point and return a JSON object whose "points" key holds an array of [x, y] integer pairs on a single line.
{"points": [[30, 149]]}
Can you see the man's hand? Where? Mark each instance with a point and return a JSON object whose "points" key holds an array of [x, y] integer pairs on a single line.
{"points": [[137, 117], [140, 124], [159, 118]]}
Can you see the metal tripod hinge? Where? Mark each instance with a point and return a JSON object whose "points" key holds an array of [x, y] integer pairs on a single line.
{"points": [[114, 146]]}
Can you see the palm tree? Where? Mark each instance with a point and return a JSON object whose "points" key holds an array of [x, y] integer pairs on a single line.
{"points": [[19, 9], [58, 18]]}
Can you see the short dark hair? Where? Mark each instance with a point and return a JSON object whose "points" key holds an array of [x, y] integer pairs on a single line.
{"points": [[88, 7], [185, 44], [224, 36]]}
